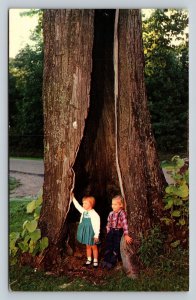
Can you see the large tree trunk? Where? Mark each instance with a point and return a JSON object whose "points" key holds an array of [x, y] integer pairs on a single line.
{"points": [[142, 178], [68, 41], [113, 150]]}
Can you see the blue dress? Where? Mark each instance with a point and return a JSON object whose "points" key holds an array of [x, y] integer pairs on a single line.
{"points": [[85, 232]]}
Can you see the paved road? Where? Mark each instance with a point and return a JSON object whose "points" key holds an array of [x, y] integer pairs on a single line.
{"points": [[30, 174], [34, 167]]}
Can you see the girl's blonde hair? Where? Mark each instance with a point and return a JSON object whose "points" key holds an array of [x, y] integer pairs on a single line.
{"points": [[90, 199], [120, 199]]}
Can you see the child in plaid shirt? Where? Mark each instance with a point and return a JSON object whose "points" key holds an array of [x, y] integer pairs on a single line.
{"points": [[116, 226]]}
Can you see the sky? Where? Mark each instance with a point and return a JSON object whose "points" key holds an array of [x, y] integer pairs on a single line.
{"points": [[20, 28]]}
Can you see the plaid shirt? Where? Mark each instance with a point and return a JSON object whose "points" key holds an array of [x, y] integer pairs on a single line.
{"points": [[122, 221]]}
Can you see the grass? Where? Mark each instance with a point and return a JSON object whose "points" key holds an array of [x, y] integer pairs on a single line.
{"points": [[17, 214], [25, 279], [13, 183], [166, 273]]}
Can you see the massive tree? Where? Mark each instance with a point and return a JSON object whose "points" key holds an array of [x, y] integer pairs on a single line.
{"points": [[98, 136]]}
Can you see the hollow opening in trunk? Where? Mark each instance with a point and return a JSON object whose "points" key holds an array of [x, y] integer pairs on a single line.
{"points": [[95, 165]]}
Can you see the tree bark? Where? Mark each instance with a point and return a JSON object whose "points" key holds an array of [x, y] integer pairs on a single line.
{"points": [[98, 136], [68, 41], [142, 177]]}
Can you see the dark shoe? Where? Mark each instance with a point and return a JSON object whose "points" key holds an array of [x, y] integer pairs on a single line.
{"points": [[109, 266], [103, 264]]}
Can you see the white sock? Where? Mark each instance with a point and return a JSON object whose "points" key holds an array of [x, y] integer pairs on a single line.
{"points": [[89, 259], [95, 262]]}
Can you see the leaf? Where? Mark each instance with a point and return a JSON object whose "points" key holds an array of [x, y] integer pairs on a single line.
{"points": [[177, 177], [39, 200], [27, 238], [31, 206], [166, 220], [23, 246], [186, 176], [32, 245], [14, 236], [13, 261], [44, 243], [182, 222], [37, 212], [182, 191], [31, 225], [178, 202], [176, 213], [169, 204], [36, 235], [180, 163], [175, 244], [23, 233], [171, 189], [24, 224]]}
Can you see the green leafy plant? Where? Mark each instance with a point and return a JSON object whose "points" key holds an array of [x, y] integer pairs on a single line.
{"points": [[151, 245], [176, 201], [29, 239]]}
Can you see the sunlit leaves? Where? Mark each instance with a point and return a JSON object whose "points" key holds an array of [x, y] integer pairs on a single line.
{"points": [[29, 239], [176, 198]]}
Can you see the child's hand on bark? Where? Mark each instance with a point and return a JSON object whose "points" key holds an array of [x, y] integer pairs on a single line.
{"points": [[71, 196], [128, 239]]}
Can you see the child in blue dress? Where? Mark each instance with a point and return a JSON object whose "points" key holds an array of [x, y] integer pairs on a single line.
{"points": [[88, 228]]}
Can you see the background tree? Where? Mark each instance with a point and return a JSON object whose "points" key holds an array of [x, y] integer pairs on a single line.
{"points": [[25, 98], [166, 72]]}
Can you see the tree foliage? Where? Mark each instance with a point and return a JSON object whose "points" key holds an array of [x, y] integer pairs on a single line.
{"points": [[166, 71], [25, 99]]}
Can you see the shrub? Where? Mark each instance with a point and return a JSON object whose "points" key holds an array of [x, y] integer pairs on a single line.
{"points": [[151, 245], [29, 239], [176, 200]]}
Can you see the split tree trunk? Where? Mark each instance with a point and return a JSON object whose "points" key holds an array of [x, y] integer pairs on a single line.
{"points": [[96, 119]]}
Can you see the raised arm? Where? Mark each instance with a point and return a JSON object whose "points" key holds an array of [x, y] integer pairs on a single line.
{"points": [[78, 206]]}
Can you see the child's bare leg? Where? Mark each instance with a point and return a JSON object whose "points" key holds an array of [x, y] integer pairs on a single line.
{"points": [[95, 255], [95, 251], [88, 254]]}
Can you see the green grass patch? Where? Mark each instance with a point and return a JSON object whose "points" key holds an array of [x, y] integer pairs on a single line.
{"points": [[13, 183], [152, 279], [18, 214]]}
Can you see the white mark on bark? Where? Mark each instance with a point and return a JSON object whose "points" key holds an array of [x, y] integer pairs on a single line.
{"points": [[75, 125], [116, 98]]}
